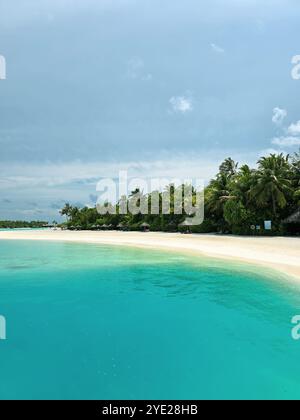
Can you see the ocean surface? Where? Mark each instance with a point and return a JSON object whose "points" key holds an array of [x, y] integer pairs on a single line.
{"points": [[98, 322]]}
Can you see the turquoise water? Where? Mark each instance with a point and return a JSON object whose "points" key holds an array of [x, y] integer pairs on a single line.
{"points": [[94, 322]]}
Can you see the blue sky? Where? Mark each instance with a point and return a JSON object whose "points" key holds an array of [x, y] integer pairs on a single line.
{"points": [[161, 88]]}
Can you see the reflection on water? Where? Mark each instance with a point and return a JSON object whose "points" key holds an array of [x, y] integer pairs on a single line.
{"points": [[18, 267]]}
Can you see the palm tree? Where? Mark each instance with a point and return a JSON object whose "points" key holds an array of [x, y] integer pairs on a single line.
{"points": [[217, 194], [272, 182], [296, 177], [296, 159], [229, 168], [66, 211], [242, 183], [296, 167]]}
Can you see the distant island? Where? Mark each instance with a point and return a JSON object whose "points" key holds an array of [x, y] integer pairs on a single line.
{"points": [[9, 224], [240, 200]]}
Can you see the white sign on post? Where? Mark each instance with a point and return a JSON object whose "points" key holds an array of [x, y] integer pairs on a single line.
{"points": [[268, 225]]}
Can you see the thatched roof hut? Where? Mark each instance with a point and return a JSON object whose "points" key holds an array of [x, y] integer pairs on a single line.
{"points": [[145, 227], [293, 219], [185, 224], [185, 227]]}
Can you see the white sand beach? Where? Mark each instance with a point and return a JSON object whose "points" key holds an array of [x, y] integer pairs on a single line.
{"points": [[282, 254]]}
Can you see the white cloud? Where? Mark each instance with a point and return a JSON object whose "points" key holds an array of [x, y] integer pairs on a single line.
{"points": [[288, 141], [136, 69], [271, 151], [217, 49], [294, 129], [85, 175], [290, 135], [181, 104], [279, 115]]}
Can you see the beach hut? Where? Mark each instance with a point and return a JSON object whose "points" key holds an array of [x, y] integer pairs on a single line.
{"points": [[121, 226], [185, 227], [145, 227], [294, 218], [292, 223]]}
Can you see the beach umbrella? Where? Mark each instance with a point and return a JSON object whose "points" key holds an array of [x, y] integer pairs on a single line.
{"points": [[292, 223], [145, 226], [185, 224], [294, 218]]}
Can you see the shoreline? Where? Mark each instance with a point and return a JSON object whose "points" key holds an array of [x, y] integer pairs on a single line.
{"points": [[280, 254]]}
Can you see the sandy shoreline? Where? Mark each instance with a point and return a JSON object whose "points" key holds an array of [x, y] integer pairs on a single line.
{"points": [[282, 254]]}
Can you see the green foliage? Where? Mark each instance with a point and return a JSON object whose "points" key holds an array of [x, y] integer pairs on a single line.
{"points": [[237, 199], [9, 224], [207, 226], [273, 182], [235, 213]]}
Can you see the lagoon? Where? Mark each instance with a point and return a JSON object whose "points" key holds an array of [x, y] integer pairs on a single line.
{"points": [[102, 322]]}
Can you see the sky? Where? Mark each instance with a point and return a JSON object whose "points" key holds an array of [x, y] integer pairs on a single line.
{"points": [[158, 88]]}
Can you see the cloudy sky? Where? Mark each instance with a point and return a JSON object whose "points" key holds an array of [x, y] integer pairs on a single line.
{"points": [[160, 88]]}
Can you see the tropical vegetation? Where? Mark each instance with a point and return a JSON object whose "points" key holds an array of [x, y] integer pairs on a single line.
{"points": [[10, 224], [238, 200]]}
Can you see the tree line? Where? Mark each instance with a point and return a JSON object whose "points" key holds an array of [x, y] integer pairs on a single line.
{"points": [[10, 224], [238, 200]]}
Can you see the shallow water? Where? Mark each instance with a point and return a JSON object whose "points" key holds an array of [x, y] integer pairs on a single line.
{"points": [[98, 322]]}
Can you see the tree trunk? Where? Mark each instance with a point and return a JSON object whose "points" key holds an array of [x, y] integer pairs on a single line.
{"points": [[274, 204]]}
